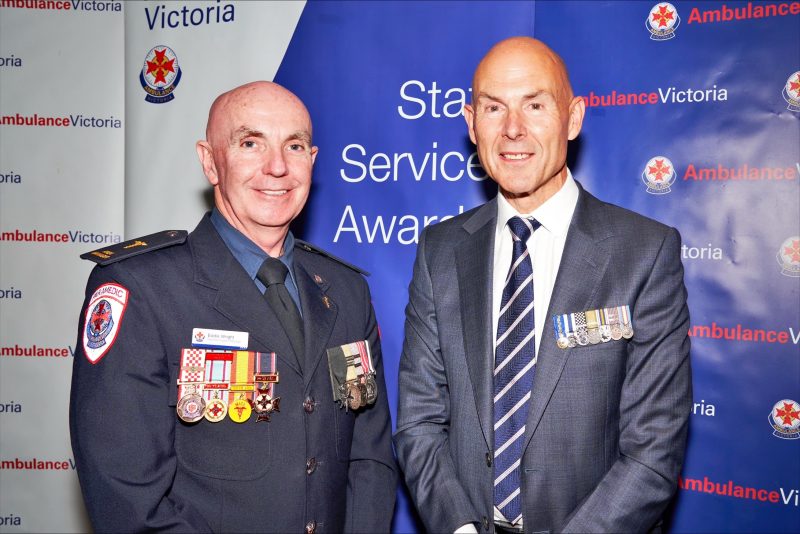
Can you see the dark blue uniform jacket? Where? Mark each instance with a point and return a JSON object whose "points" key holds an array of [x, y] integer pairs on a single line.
{"points": [[312, 467]]}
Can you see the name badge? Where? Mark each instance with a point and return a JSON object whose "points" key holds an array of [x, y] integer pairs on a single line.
{"points": [[222, 339]]}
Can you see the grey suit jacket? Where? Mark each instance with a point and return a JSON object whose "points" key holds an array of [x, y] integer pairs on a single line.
{"points": [[607, 423]]}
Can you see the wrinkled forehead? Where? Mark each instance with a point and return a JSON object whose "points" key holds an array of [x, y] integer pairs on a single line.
{"points": [[258, 108]]}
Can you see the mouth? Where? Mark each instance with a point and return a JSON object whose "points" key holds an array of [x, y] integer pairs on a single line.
{"points": [[273, 192], [516, 156]]}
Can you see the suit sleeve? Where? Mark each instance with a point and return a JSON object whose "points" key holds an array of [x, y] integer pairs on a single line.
{"points": [[423, 415], [121, 429], [372, 475], [654, 407]]}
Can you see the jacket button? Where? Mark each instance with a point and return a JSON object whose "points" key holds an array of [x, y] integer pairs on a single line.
{"points": [[308, 404], [311, 526], [489, 459], [311, 465], [485, 523]]}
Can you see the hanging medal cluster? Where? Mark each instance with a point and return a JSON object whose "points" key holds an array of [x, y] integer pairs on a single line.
{"points": [[219, 384], [352, 375]]}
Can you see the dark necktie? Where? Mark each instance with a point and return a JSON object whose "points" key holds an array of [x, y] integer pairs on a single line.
{"points": [[513, 371], [272, 274]]}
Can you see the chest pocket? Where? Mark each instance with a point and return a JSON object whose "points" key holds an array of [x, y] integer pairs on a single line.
{"points": [[224, 450]]}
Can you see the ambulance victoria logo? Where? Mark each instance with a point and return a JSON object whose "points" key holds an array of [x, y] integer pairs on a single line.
{"points": [[662, 21], [789, 256], [791, 92], [785, 419], [160, 74], [658, 175]]}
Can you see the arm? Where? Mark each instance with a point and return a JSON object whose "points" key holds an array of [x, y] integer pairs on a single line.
{"points": [[121, 425], [423, 416], [372, 475], [654, 407]]}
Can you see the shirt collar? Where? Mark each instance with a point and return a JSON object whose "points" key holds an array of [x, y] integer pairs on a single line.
{"points": [[247, 253], [554, 215]]}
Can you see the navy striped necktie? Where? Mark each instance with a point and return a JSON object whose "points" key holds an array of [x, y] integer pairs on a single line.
{"points": [[515, 348]]}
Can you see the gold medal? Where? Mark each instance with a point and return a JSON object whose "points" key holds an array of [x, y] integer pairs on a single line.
{"points": [[216, 410], [239, 411]]}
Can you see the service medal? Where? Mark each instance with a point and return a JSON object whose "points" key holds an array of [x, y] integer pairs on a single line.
{"points": [[239, 411], [627, 331], [353, 396], [371, 389], [562, 342], [191, 407], [215, 410]]}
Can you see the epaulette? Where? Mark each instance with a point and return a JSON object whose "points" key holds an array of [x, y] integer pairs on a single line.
{"points": [[308, 247], [134, 247]]}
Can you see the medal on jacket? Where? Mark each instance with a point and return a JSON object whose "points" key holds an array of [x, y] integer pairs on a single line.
{"points": [[266, 402], [191, 404], [352, 375], [592, 327], [239, 410], [191, 407]]}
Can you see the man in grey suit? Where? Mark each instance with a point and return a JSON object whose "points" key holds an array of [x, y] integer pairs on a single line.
{"points": [[545, 383]]}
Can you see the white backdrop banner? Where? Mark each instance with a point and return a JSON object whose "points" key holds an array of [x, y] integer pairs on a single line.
{"points": [[62, 134]]}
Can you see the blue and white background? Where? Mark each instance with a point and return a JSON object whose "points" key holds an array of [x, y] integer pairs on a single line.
{"points": [[384, 83]]}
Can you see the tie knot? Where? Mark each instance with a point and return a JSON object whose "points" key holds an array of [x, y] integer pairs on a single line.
{"points": [[521, 228], [272, 272]]}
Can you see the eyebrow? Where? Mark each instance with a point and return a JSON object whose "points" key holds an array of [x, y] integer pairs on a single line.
{"points": [[245, 131], [534, 94]]}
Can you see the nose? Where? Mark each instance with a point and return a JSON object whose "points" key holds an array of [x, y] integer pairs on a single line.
{"points": [[275, 162], [513, 128]]}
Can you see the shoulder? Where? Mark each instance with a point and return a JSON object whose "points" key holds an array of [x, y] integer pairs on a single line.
{"points": [[136, 247], [452, 230], [314, 256], [624, 222]]}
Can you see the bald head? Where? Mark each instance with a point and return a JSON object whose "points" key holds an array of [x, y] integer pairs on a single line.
{"points": [[258, 157], [247, 97], [518, 56]]}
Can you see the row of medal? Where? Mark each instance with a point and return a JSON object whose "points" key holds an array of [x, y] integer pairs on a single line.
{"points": [[593, 326], [213, 384], [352, 375]]}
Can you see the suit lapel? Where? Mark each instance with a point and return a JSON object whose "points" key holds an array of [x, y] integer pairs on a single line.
{"points": [[583, 265], [474, 270], [319, 317], [237, 298]]}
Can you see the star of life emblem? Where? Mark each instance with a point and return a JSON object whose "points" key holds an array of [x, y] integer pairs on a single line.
{"points": [[789, 256], [662, 21], [102, 320], [160, 74], [791, 92], [658, 175], [785, 419]]}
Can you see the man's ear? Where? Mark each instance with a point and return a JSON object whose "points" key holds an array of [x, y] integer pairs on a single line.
{"points": [[206, 156], [577, 109], [469, 116]]}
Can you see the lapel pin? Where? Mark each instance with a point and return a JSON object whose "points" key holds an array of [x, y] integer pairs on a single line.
{"points": [[326, 301], [318, 279]]}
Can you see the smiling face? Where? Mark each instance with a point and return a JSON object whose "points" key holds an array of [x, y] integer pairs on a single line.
{"points": [[522, 115], [259, 157]]}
